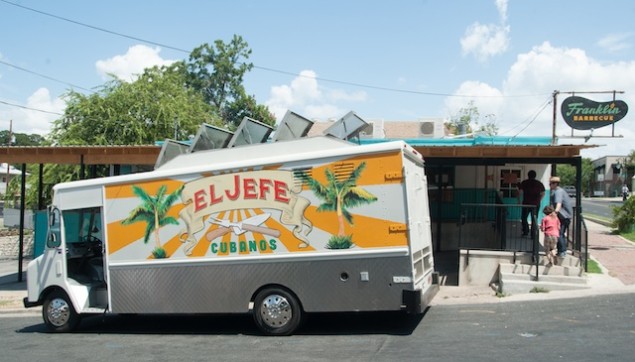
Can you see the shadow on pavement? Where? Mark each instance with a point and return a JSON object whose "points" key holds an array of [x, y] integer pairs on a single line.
{"points": [[10, 282], [391, 323]]}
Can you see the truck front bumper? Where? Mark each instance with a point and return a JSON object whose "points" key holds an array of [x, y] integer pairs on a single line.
{"points": [[28, 304]]}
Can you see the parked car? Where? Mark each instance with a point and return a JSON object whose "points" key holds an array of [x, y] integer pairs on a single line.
{"points": [[570, 190]]}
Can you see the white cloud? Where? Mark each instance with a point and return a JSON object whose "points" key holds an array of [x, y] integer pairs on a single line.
{"points": [[307, 98], [501, 6], [487, 40], [129, 66], [526, 108], [30, 121], [546, 68], [487, 99], [616, 42]]}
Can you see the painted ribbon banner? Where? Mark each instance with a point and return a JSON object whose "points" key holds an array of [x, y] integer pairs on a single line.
{"points": [[266, 189], [584, 114]]}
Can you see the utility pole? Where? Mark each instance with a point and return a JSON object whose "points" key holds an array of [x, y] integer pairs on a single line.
{"points": [[6, 190], [554, 138]]}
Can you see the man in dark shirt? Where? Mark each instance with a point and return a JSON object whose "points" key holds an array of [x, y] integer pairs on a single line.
{"points": [[530, 192]]}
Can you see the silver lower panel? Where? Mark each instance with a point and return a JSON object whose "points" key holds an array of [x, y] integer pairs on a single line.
{"points": [[321, 285]]}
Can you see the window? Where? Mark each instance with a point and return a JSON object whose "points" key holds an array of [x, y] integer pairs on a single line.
{"points": [[440, 176], [82, 224], [508, 183], [53, 239]]}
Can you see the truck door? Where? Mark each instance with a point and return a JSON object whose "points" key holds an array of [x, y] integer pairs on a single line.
{"points": [[54, 253], [84, 246]]}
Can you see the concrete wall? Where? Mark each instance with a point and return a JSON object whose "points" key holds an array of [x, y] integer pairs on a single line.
{"points": [[480, 267], [10, 246], [12, 218]]}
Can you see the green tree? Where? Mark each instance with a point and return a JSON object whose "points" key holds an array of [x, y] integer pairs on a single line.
{"points": [[468, 121], [153, 211], [567, 174], [13, 189], [217, 72], [338, 196], [630, 168], [154, 107], [21, 139], [246, 106], [624, 216]]}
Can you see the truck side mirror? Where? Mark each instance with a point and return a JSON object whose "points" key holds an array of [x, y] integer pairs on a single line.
{"points": [[52, 241], [51, 214]]}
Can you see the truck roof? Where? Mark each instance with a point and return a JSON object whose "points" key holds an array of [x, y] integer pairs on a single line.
{"points": [[246, 156]]}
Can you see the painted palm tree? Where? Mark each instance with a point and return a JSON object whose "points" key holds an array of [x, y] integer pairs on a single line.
{"points": [[339, 196], [153, 211]]}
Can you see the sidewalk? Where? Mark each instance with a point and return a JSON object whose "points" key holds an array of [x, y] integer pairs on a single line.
{"points": [[12, 291], [615, 255]]}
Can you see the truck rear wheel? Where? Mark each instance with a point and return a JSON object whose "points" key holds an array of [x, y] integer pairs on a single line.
{"points": [[277, 312], [58, 313]]}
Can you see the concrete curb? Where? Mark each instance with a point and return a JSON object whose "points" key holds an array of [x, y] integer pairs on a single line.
{"points": [[16, 312]]}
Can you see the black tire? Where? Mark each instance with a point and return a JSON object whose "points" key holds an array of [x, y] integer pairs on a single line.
{"points": [[59, 314], [277, 312]]}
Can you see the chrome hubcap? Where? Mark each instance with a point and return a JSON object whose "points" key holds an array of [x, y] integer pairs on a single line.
{"points": [[58, 312], [276, 311]]}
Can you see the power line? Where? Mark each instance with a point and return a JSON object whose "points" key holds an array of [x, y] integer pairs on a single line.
{"points": [[30, 109], [94, 27], [360, 85], [44, 76], [528, 120]]}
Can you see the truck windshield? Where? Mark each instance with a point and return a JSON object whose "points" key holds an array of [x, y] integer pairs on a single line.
{"points": [[82, 225]]}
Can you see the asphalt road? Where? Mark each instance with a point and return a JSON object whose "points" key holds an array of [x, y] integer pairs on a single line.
{"points": [[599, 328], [600, 207]]}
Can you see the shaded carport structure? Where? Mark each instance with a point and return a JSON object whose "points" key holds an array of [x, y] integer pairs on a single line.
{"points": [[436, 153], [85, 156]]}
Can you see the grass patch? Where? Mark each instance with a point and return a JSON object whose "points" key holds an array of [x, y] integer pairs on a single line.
{"points": [[593, 267], [539, 290], [501, 294], [596, 217], [630, 236]]}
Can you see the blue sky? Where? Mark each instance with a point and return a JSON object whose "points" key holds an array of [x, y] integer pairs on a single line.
{"points": [[390, 60]]}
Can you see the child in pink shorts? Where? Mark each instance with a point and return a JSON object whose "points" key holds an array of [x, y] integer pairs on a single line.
{"points": [[550, 225]]}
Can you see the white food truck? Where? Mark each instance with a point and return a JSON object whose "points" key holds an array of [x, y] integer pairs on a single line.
{"points": [[276, 229]]}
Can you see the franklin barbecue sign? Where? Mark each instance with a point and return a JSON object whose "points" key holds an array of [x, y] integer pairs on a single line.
{"points": [[581, 113]]}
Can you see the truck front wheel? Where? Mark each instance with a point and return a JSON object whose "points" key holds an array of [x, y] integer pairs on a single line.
{"points": [[58, 313], [277, 312]]}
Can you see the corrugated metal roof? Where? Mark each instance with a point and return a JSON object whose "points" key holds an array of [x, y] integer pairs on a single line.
{"points": [[465, 142]]}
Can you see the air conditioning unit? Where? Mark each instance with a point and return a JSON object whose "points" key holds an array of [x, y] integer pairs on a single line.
{"points": [[367, 132], [375, 129], [431, 128]]}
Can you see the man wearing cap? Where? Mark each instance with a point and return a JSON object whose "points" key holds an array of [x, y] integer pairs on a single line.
{"points": [[561, 202]]}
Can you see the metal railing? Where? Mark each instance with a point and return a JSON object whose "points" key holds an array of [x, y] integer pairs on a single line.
{"points": [[498, 227], [495, 227], [579, 248]]}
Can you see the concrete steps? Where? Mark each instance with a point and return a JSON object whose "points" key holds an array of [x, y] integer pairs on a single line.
{"points": [[567, 274]]}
